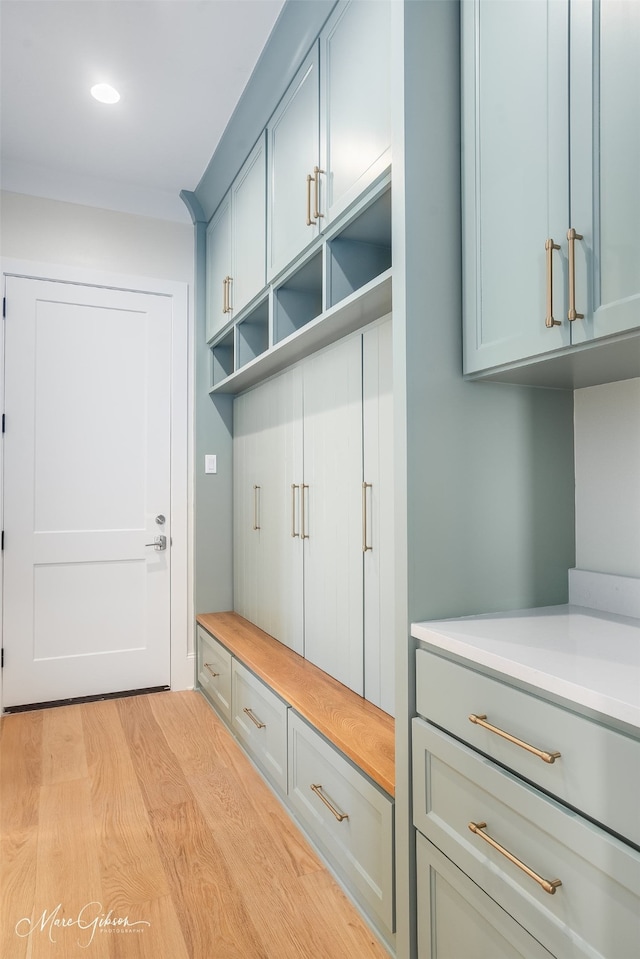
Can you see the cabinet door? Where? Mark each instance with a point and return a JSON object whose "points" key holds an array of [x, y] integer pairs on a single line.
{"points": [[457, 920], [605, 160], [294, 151], [249, 224], [250, 425], [333, 579], [515, 178], [355, 106], [378, 518], [281, 562], [218, 245]]}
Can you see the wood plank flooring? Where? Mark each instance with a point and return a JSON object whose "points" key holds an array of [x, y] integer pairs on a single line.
{"points": [[137, 829]]}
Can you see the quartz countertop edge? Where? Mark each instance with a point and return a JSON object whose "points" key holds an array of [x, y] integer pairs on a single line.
{"points": [[588, 657]]}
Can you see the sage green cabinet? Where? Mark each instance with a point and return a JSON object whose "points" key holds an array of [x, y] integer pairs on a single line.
{"points": [[236, 244], [551, 144], [330, 137]]}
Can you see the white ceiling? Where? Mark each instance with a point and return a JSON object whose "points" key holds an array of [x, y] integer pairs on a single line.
{"points": [[180, 67]]}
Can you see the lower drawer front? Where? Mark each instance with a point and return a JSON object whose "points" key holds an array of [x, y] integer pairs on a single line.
{"points": [[598, 770], [595, 912], [214, 672], [324, 786], [260, 721], [456, 920]]}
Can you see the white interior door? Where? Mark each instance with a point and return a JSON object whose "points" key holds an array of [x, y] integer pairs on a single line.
{"points": [[87, 475]]}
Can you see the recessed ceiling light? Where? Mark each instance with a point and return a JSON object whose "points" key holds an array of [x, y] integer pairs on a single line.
{"points": [[105, 93]]}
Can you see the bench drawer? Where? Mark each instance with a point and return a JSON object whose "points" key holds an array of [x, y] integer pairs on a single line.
{"points": [[260, 721], [595, 912], [349, 817], [598, 771], [214, 672]]}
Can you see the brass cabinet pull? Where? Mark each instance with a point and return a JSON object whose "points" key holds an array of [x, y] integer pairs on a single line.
{"points": [[225, 308], [255, 507], [365, 487], [549, 885], [303, 527], [208, 666], [572, 236], [540, 753], [294, 487], [550, 246], [317, 789], [310, 221], [229, 282], [253, 719], [316, 177]]}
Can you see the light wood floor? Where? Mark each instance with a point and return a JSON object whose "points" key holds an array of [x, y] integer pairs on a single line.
{"points": [[145, 809]]}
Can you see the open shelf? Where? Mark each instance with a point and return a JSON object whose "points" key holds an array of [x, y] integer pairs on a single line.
{"points": [[253, 334], [364, 306], [298, 300], [361, 251], [223, 358]]}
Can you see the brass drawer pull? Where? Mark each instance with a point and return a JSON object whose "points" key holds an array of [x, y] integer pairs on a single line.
{"points": [[549, 885], [208, 666], [540, 753], [256, 722], [572, 236], [256, 497], [317, 789], [365, 487], [310, 221], [303, 527], [316, 177], [294, 487], [549, 322]]}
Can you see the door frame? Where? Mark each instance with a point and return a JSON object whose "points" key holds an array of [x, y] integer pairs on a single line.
{"points": [[181, 623]]}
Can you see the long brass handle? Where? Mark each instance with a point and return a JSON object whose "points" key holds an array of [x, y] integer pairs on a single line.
{"points": [[229, 282], [225, 307], [365, 487], [255, 507], [549, 885], [208, 666], [572, 236], [316, 177], [303, 525], [310, 221], [549, 322], [546, 757], [253, 719], [294, 487], [317, 789]]}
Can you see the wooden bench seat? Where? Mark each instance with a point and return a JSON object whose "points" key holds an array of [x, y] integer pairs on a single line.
{"points": [[355, 726]]}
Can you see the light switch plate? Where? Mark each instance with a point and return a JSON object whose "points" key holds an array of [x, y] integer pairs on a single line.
{"points": [[210, 463]]}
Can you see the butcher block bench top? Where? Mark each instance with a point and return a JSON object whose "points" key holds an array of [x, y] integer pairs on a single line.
{"points": [[360, 730]]}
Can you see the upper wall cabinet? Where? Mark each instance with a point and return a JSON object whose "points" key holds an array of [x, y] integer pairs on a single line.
{"points": [[551, 196], [236, 238], [330, 137]]}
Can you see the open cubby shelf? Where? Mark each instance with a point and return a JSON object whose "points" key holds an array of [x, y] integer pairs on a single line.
{"points": [[341, 284]]}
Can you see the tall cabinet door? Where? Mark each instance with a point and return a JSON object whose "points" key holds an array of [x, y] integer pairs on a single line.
{"points": [[333, 579], [515, 178], [282, 568], [293, 135], [355, 104], [251, 421], [377, 515], [249, 231], [218, 245], [605, 160]]}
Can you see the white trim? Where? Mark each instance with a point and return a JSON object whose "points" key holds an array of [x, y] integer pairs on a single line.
{"points": [[182, 366]]}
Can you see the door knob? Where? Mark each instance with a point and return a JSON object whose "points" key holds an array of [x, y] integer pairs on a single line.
{"points": [[160, 542]]}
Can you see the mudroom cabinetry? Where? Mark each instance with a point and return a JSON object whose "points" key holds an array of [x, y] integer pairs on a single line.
{"points": [[312, 513], [551, 100]]}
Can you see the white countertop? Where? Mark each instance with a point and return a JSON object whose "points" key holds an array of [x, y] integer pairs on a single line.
{"points": [[584, 655]]}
